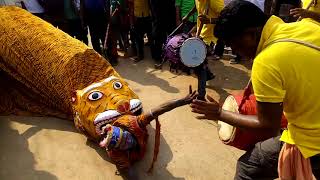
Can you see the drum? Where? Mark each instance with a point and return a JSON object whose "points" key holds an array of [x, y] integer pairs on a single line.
{"points": [[172, 47], [193, 52], [184, 50], [241, 138]]}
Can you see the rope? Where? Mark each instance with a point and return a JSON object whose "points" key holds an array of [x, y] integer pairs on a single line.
{"points": [[156, 145], [248, 88]]}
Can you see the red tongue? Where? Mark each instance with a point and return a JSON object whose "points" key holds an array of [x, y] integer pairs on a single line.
{"points": [[124, 107]]}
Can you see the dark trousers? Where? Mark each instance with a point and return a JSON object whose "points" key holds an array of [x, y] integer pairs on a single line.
{"points": [[159, 36], [97, 23], [262, 162], [202, 73], [142, 26], [114, 34], [219, 48], [162, 24], [75, 29]]}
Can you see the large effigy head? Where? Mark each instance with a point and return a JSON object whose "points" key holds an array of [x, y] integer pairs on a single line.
{"points": [[102, 103]]}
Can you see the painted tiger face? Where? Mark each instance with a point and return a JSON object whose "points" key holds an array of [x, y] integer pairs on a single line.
{"points": [[102, 103]]}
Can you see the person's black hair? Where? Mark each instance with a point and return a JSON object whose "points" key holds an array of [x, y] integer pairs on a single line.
{"points": [[236, 17]]}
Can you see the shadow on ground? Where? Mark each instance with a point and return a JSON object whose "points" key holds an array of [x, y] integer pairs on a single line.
{"points": [[227, 78], [17, 162], [16, 156], [144, 73]]}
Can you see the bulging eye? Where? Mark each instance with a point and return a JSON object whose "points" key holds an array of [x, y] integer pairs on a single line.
{"points": [[117, 85], [96, 95]]}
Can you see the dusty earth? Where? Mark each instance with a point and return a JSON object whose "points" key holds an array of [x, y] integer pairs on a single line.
{"points": [[47, 148]]}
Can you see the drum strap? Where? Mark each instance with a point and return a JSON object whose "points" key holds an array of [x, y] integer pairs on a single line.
{"points": [[247, 91], [297, 41]]}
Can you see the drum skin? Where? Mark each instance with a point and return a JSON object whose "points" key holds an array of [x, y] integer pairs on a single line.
{"points": [[193, 52], [243, 139]]}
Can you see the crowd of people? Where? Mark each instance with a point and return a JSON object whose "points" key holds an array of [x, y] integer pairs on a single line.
{"points": [[285, 67], [113, 24], [123, 24]]}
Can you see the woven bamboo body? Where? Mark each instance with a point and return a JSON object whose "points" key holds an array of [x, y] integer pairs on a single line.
{"points": [[41, 66]]}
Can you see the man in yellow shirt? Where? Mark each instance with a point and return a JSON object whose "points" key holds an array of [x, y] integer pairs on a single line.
{"points": [[210, 9], [141, 21], [285, 78]]}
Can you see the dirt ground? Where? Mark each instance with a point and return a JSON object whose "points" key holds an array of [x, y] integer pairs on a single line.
{"points": [[48, 148]]}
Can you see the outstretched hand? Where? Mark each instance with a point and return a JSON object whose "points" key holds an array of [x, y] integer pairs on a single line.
{"points": [[210, 109]]}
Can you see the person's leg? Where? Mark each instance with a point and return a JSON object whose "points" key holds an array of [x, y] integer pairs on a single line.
{"points": [[148, 30], [103, 26], [133, 42], [78, 31], [66, 27], [125, 38], [97, 27], [94, 34], [112, 44], [83, 36], [159, 36], [235, 60], [201, 73], [74, 31], [315, 163], [219, 48], [114, 50], [139, 34], [121, 41], [261, 162]]}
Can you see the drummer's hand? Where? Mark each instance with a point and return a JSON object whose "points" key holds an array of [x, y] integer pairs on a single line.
{"points": [[210, 110], [204, 19], [297, 12]]}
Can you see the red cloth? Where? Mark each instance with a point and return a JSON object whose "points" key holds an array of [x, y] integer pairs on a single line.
{"points": [[123, 159]]}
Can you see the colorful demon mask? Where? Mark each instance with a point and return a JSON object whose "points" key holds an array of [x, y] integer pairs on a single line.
{"points": [[102, 103]]}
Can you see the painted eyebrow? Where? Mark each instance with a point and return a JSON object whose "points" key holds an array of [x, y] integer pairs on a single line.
{"points": [[95, 85]]}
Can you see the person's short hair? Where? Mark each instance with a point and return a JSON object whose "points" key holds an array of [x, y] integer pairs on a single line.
{"points": [[236, 17]]}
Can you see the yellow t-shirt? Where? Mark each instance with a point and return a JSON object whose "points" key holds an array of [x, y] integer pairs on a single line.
{"points": [[141, 8], [290, 73], [214, 8]]}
